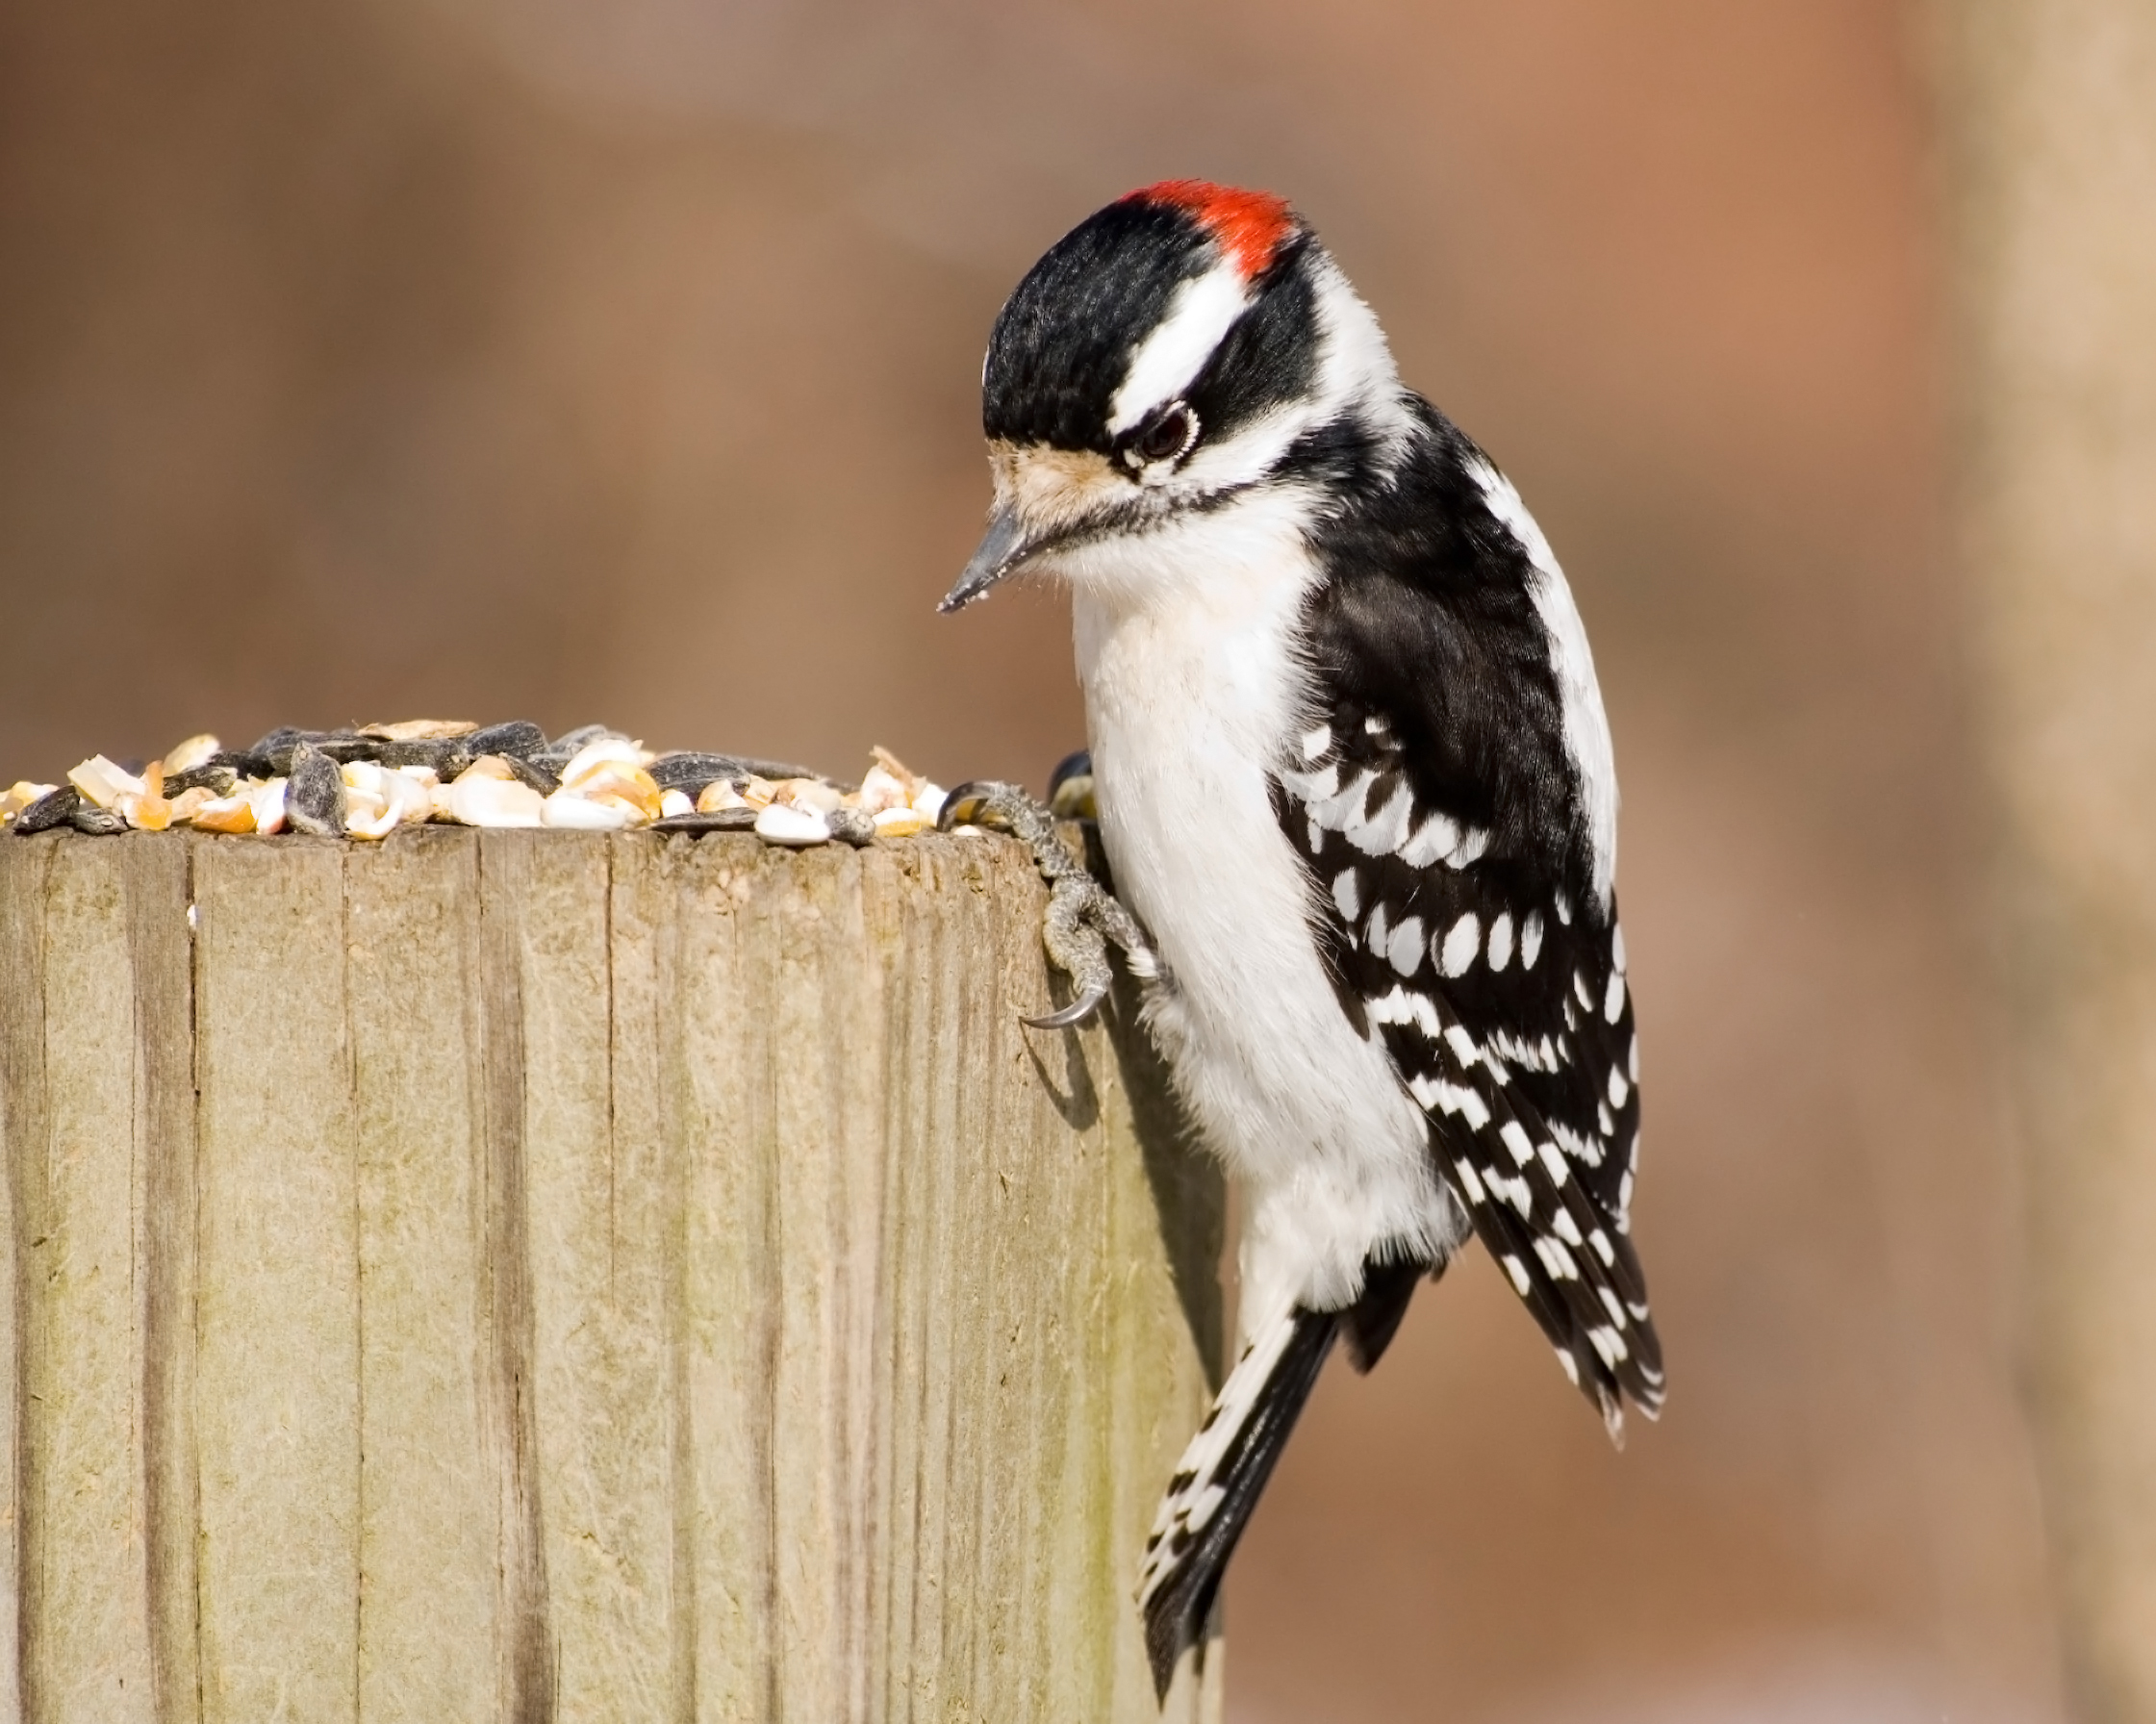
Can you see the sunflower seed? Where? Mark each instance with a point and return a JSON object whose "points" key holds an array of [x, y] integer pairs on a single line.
{"points": [[55, 808], [276, 750], [210, 775], [852, 825], [98, 823], [445, 755], [315, 795], [687, 770], [520, 739], [532, 774], [724, 820], [776, 769]]}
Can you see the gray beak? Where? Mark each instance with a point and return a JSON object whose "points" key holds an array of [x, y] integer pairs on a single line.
{"points": [[1002, 549]]}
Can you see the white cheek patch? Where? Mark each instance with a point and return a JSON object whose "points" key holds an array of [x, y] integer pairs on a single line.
{"points": [[1201, 313]]}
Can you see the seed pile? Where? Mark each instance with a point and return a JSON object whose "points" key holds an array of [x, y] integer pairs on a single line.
{"points": [[366, 782]]}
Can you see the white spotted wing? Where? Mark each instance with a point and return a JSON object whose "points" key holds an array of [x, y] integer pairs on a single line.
{"points": [[1502, 998]]}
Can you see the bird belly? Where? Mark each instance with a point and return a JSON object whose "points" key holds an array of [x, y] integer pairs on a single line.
{"points": [[1189, 699]]}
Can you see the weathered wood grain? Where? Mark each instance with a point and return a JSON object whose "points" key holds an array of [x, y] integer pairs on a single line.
{"points": [[430, 1502], [277, 1311], [531, 1276], [82, 1519]]}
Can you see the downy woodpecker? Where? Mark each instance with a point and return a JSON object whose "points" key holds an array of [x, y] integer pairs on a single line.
{"points": [[1355, 789]]}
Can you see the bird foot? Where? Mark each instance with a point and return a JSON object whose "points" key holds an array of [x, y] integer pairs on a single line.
{"points": [[1084, 916]]}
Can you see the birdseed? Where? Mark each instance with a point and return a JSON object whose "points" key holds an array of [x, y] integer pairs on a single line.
{"points": [[365, 782]]}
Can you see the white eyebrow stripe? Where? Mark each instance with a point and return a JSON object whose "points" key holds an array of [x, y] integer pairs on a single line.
{"points": [[1173, 354]]}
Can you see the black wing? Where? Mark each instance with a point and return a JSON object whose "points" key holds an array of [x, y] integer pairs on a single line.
{"points": [[1437, 813], [1507, 1016]]}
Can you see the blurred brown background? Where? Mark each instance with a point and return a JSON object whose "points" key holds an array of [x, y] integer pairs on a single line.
{"points": [[535, 358]]}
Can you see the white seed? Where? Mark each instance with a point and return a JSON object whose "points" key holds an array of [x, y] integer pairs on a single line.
{"points": [[145, 812], [719, 794], [495, 802], [225, 814], [566, 809], [911, 782], [104, 783], [191, 753], [594, 757], [809, 792], [629, 785], [270, 806], [675, 802], [368, 818], [782, 823], [929, 801], [411, 798], [902, 823], [881, 791], [367, 810], [377, 801]]}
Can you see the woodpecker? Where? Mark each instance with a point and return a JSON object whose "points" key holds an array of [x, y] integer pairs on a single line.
{"points": [[1356, 794]]}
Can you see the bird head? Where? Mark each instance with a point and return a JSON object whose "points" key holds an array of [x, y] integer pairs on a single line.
{"points": [[1175, 352]]}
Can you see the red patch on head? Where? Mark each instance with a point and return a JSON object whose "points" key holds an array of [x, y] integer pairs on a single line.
{"points": [[1248, 226]]}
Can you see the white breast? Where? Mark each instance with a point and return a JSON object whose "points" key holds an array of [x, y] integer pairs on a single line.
{"points": [[1185, 650]]}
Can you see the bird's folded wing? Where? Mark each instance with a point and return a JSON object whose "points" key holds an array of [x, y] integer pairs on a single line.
{"points": [[1505, 1008]]}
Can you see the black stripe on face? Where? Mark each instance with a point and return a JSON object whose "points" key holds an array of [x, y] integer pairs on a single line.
{"points": [[1268, 357], [1064, 339]]}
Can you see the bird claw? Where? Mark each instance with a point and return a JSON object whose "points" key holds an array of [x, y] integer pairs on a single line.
{"points": [[1073, 1015], [971, 795], [1082, 915]]}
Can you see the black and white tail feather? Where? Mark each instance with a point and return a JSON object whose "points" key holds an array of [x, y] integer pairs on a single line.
{"points": [[1224, 1470], [1220, 1477]]}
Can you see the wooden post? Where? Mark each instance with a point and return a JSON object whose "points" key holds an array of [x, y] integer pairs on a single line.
{"points": [[527, 1276], [2054, 104]]}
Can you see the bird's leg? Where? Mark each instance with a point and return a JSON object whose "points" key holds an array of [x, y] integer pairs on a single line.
{"points": [[1083, 917]]}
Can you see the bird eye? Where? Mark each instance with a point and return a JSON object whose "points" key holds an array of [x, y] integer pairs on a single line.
{"points": [[1167, 438]]}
